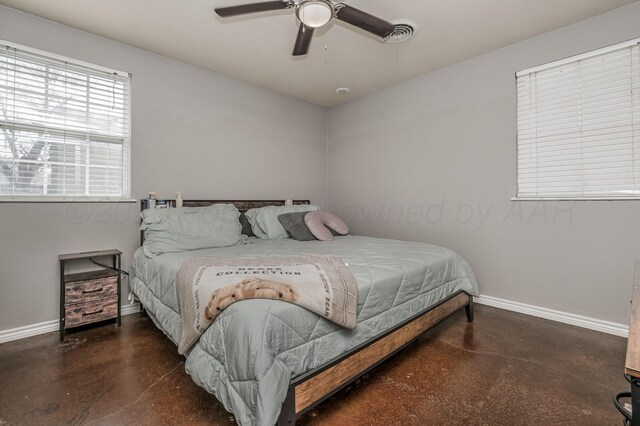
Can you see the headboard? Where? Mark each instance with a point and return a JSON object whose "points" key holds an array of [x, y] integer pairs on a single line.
{"points": [[241, 205]]}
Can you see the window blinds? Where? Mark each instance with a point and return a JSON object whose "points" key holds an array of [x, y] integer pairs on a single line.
{"points": [[579, 126], [64, 128]]}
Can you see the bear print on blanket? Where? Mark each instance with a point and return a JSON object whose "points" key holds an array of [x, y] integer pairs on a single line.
{"points": [[252, 288]]}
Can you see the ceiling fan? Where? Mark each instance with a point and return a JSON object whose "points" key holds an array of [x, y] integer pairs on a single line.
{"points": [[314, 14]]}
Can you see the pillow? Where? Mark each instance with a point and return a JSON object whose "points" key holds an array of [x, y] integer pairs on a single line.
{"points": [[191, 228], [252, 218], [316, 222], [246, 226], [264, 221], [294, 224]]}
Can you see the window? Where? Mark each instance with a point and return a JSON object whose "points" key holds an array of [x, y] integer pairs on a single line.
{"points": [[579, 126], [64, 128]]}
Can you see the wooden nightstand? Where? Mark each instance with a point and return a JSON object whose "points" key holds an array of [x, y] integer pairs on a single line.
{"points": [[89, 297]]}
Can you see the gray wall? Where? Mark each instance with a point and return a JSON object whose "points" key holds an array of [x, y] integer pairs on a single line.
{"points": [[433, 159], [194, 131]]}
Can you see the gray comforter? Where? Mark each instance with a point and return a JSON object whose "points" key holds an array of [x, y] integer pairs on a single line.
{"points": [[248, 356]]}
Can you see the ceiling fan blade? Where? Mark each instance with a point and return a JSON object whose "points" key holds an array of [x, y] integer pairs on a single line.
{"points": [[305, 34], [251, 8], [363, 20]]}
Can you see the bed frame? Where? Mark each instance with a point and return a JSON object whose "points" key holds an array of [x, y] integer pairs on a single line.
{"points": [[309, 389], [632, 361]]}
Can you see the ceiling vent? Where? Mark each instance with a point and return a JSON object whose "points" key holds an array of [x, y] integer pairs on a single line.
{"points": [[404, 30]]}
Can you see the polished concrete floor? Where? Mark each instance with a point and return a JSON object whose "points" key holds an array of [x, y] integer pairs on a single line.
{"points": [[504, 369]]}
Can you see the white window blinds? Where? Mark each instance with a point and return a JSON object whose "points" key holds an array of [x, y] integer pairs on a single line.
{"points": [[579, 126], [64, 128]]}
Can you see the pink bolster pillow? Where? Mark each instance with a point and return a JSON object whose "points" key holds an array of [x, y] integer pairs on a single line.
{"points": [[318, 221]]}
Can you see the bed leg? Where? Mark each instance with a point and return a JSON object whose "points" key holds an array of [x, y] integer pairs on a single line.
{"points": [[288, 412], [143, 311], [469, 309]]}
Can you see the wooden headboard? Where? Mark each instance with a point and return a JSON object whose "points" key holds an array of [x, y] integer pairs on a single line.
{"points": [[241, 205]]}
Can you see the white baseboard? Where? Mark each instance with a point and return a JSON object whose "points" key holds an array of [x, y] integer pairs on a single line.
{"points": [[609, 327], [616, 329], [49, 326], [29, 330], [132, 308]]}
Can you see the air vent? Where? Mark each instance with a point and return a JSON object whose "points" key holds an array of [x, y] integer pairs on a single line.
{"points": [[404, 30]]}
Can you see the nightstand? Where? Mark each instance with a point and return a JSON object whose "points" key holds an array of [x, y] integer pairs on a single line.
{"points": [[89, 297]]}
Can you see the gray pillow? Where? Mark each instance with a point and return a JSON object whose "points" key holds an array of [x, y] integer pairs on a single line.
{"points": [[294, 224], [189, 228], [264, 221], [246, 226]]}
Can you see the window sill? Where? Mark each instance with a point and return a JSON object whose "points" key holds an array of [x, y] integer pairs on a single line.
{"points": [[48, 200], [576, 199]]}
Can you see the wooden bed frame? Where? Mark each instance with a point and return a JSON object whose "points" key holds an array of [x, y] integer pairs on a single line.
{"points": [[632, 360], [309, 389]]}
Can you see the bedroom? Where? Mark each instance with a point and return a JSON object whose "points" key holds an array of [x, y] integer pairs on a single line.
{"points": [[418, 151]]}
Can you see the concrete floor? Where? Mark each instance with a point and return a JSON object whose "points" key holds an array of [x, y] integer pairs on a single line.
{"points": [[504, 369]]}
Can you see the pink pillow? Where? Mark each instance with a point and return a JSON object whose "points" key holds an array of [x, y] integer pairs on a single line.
{"points": [[318, 221]]}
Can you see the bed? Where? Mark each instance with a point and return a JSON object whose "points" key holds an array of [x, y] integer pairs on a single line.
{"points": [[270, 361]]}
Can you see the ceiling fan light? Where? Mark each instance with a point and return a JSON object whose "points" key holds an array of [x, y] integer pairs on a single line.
{"points": [[315, 13]]}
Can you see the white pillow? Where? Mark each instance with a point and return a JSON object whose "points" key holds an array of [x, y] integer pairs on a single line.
{"points": [[265, 224]]}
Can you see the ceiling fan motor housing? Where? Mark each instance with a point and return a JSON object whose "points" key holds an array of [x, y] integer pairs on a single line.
{"points": [[315, 13]]}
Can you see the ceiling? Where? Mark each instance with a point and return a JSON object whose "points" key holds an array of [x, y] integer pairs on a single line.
{"points": [[257, 48]]}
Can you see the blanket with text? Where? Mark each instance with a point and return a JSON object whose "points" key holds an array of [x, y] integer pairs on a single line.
{"points": [[322, 284]]}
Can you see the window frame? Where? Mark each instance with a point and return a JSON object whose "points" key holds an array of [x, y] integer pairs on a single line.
{"points": [[552, 64], [126, 197]]}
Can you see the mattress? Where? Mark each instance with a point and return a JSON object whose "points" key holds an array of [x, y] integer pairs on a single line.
{"points": [[249, 354]]}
